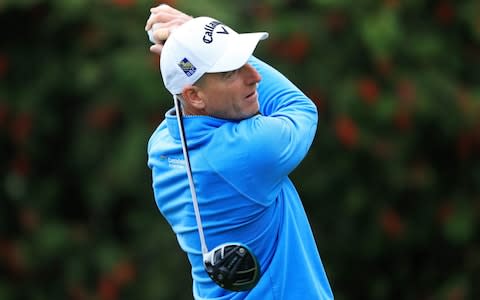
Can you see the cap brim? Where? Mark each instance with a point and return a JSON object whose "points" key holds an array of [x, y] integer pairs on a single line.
{"points": [[238, 52]]}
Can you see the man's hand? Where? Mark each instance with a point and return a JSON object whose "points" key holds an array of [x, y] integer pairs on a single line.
{"points": [[163, 20]]}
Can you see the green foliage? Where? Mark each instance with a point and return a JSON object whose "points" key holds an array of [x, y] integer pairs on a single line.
{"points": [[391, 184]]}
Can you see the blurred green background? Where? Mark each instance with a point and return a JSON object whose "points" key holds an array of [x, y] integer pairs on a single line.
{"points": [[391, 184]]}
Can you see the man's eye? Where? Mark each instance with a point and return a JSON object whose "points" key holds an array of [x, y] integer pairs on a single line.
{"points": [[229, 74]]}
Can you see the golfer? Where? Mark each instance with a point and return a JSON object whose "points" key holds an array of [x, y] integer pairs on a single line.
{"points": [[247, 128]]}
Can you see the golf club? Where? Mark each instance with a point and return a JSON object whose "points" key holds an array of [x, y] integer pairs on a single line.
{"points": [[232, 266]]}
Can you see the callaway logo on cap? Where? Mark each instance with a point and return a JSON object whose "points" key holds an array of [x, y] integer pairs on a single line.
{"points": [[208, 37], [203, 45]]}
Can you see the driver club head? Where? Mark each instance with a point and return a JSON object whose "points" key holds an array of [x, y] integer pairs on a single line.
{"points": [[233, 267]]}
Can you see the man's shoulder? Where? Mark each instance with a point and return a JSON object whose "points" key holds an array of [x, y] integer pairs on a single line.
{"points": [[159, 134]]}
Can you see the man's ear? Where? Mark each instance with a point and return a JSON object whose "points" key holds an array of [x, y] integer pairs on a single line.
{"points": [[193, 96]]}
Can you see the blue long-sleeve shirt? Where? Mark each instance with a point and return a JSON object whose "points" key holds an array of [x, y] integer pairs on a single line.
{"points": [[240, 170]]}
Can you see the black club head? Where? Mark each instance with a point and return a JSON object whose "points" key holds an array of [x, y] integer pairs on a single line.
{"points": [[233, 267]]}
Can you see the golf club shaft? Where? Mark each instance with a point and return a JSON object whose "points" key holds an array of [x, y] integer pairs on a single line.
{"points": [[190, 177]]}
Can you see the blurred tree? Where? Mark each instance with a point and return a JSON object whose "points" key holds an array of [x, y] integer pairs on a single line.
{"points": [[391, 185]]}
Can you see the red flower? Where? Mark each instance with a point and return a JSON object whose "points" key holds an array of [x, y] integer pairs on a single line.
{"points": [[346, 131], [155, 118], [392, 3], [12, 258], [21, 128], [336, 21], [3, 65], [392, 224], [384, 66], [368, 90], [21, 165], [102, 116], [298, 45], [294, 48], [3, 114], [123, 273], [317, 98], [445, 12], [124, 3], [155, 61], [402, 120], [406, 92], [77, 292], [92, 37], [382, 149], [465, 101], [464, 145], [457, 293], [445, 212], [169, 2], [262, 11], [29, 219], [107, 289]]}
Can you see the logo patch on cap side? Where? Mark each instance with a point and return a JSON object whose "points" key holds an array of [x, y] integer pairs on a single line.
{"points": [[187, 67]]}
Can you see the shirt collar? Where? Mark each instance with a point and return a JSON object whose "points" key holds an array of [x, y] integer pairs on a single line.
{"points": [[195, 125]]}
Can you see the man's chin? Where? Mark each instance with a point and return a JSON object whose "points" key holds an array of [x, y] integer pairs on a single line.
{"points": [[248, 116]]}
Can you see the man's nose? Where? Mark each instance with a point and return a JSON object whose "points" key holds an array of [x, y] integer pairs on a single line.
{"points": [[250, 74]]}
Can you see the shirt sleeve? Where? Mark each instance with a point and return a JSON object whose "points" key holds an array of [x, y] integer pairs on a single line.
{"points": [[267, 147]]}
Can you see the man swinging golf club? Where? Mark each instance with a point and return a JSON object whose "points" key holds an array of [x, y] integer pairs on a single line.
{"points": [[220, 163]]}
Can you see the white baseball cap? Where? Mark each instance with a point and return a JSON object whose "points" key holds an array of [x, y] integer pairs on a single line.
{"points": [[204, 45]]}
